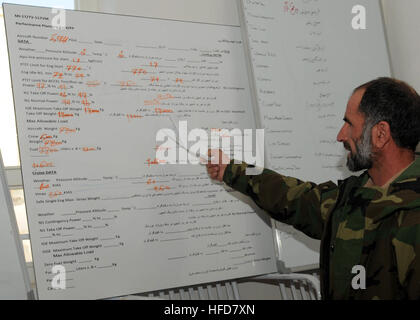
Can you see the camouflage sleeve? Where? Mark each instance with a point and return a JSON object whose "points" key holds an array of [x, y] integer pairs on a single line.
{"points": [[407, 253], [303, 205]]}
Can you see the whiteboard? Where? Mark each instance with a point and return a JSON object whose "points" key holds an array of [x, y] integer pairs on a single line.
{"points": [[14, 278], [89, 100], [305, 60]]}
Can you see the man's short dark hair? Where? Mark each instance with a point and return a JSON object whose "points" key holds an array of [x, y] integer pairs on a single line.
{"points": [[397, 103]]}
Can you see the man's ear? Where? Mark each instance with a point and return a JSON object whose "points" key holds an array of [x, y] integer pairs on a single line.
{"points": [[381, 134]]}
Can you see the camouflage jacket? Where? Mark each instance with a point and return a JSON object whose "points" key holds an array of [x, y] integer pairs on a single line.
{"points": [[376, 228]]}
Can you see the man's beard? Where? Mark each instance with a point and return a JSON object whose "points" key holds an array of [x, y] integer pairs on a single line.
{"points": [[362, 159]]}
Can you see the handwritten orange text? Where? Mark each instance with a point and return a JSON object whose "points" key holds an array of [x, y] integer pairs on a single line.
{"points": [[66, 130], [43, 164], [42, 186], [64, 115]]}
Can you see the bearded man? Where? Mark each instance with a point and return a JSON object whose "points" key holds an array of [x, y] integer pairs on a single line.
{"points": [[371, 220]]}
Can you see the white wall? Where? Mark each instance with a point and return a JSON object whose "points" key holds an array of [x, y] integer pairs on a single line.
{"points": [[402, 25]]}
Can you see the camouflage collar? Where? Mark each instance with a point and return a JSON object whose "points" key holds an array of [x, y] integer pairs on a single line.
{"points": [[412, 173], [408, 179], [363, 178], [409, 174], [403, 191]]}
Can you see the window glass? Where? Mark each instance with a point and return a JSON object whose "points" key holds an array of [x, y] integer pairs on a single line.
{"points": [[27, 250], [20, 210]]}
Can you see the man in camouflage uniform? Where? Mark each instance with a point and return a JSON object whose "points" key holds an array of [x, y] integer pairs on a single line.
{"points": [[371, 220]]}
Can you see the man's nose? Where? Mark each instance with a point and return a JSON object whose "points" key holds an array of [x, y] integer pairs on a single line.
{"points": [[340, 135]]}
